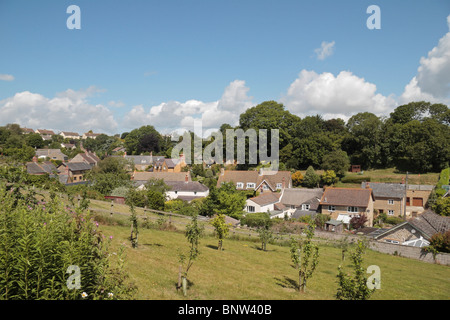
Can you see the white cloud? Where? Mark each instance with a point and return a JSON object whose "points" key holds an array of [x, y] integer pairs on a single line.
{"points": [[68, 110], [326, 49], [326, 94], [432, 82], [174, 115], [6, 77]]}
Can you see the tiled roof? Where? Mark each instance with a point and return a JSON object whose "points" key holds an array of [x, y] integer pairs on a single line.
{"points": [[166, 176], [431, 223], [298, 196], [266, 198], [78, 166], [66, 133], [41, 168], [271, 178], [346, 197]]}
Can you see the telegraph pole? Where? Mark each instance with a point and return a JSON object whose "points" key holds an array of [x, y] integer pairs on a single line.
{"points": [[406, 194]]}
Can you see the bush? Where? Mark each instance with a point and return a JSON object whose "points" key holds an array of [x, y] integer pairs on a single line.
{"points": [[353, 179], [394, 220], [255, 220], [38, 243], [441, 241]]}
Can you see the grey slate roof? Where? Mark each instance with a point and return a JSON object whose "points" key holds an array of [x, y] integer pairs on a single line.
{"points": [[191, 186], [41, 168], [301, 213], [431, 223], [386, 190], [78, 166]]}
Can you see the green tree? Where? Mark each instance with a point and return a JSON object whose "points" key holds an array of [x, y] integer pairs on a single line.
{"points": [[155, 200], [354, 288], [221, 229], [311, 179], [328, 177], [442, 206], [337, 161], [305, 257], [144, 139]]}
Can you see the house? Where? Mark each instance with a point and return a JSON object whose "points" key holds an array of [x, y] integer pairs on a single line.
{"points": [[301, 199], [417, 231], [69, 135], [87, 157], [416, 199], [27, 130], [119, 150], [345, 203], [355, 168], [71, 172], [256, 180], [90, 135], [265, 202], [52, 154], [390, 198], [36, 168], [141, 163], [45, 134], [186, 190], [170, 165], [70, 146]]}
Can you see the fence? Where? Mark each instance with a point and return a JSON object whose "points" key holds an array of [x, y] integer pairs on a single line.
{"points": [[383, 247]]}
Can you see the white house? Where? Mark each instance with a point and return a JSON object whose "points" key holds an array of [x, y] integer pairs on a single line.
{"points": [[265, 202], [69, 135]]}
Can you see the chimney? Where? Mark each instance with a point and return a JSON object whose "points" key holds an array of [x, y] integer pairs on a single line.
{"points": [[260, 171], [367, 185], [35, 159], [283, 184], [182, 158], [186, 179]]}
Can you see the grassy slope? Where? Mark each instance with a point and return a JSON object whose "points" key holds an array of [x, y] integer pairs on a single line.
{"points": [[242, 271]]}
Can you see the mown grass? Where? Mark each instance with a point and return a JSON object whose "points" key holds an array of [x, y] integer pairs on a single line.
{"points": [[242, 271]]}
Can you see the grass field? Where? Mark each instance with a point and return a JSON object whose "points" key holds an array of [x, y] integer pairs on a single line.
{"points": [[244, 272]]}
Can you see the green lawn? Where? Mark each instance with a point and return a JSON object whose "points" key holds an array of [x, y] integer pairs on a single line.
{"points": [[243, 272]]}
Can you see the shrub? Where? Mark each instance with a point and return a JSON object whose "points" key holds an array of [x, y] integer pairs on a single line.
{"points": [[353, 179], [38, 243], [255, 219], [441, 241]]}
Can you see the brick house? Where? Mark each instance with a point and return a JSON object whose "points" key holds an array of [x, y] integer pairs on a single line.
{"points": [[73, 172], [417, 231], [390, 198], [87, 157], [345, 203]]}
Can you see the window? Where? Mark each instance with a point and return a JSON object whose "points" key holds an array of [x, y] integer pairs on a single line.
{"points": [[391, 212], [305, 206], [391, 241], [74, 178], [250, 208], [390, 201], [239, 185], [265, 187], [352, 209], [278, 185], [331, 208], [250, 185], [292, 206]]}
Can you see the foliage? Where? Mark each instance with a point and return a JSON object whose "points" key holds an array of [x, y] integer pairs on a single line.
{"points": [[221, 229], [297, 178], [311, 179], [328, 178], [354, 288], [440, 242], [442, 206], [265, 234], [255, 219], [337, 161], [38, 243], [144, 139], [358, 222], [305, 257]]}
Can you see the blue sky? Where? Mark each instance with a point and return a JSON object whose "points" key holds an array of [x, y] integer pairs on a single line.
{"points": [[165, 63]]}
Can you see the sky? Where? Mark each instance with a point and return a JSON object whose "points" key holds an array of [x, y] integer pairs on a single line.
{"points": [[167, 63]]}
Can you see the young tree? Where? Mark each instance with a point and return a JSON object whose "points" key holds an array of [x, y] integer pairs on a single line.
{"points": [[305, 257], [222, 229], [354, 288], [193, 233], [336, 161], [265, 234]]}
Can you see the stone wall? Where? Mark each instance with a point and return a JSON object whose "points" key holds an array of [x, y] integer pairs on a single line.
{"points": [[389, 248]]}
